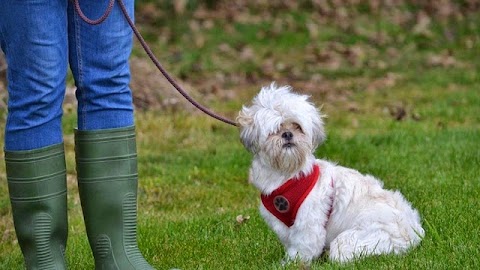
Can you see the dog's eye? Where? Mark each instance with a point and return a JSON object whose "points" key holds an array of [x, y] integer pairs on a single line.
{"points": [[297, 127]]}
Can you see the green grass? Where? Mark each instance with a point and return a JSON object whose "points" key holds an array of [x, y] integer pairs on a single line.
{"points": [[193, 170], [194, 184]]}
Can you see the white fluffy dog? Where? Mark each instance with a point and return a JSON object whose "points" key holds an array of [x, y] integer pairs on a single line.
{"points": [[311, 204]]}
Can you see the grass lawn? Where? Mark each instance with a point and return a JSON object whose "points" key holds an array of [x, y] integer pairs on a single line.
{"points": [[406, 111]]}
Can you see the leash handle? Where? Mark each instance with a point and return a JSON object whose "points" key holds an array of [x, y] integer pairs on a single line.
{"points": [[97, 21], [150, 54]]}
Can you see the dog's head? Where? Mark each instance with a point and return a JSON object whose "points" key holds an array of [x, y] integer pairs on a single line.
{"points": [[281, 127]]}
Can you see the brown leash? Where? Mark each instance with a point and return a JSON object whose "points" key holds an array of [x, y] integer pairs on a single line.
{"points": [[150, 55]]}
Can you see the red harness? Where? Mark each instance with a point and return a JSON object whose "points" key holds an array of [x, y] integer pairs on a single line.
{"points": [[285, 201]]}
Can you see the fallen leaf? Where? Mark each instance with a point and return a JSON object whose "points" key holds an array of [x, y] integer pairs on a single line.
{"points": [[241, 219]]}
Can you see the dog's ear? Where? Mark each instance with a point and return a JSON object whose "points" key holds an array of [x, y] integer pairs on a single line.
{"points": [[318, 131], [244, 118], [246, 124]]}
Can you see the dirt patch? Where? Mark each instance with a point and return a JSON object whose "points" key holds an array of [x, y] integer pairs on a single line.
{"points": [[152, 91]]}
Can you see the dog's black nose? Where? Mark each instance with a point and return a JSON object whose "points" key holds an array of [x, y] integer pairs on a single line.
{"points": [[287, 135]]}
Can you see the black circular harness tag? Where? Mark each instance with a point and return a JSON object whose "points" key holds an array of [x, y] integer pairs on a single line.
{"points": [[281, 204]]}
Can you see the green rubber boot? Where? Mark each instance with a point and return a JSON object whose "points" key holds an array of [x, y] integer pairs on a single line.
{"points": [[107, 182], [38, 194]]}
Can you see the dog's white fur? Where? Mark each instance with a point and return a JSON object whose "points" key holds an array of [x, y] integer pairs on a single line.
{"points": [[365, 218]]}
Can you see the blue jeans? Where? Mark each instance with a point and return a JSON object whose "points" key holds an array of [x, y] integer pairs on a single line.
{"points": [[40, 38]]}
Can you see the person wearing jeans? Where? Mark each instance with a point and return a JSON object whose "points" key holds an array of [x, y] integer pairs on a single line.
{"points": [[41, 39]]}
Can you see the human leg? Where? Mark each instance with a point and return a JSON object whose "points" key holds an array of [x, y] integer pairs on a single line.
{"points": [[99, 62], [105, 140], [33, 37]]}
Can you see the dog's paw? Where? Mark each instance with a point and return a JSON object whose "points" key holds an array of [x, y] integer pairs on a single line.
{"points": [[297, 263]]}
